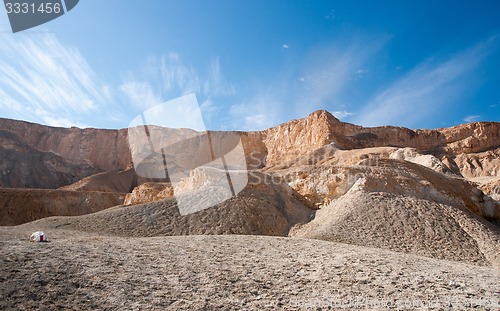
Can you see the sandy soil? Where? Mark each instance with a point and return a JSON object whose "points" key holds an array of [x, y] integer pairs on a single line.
{"points": [[78, 270]]}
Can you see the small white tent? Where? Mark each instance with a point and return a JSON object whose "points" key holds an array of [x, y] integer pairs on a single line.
{"points": [[38, 236]]}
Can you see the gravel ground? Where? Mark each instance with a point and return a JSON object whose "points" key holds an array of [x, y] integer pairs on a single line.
{"points": [[76, 270]]}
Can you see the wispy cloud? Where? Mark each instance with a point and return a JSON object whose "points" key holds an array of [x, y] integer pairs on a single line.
{"points": [[141, 94], [419, 94], [330, 15], [259, 113], [328, 72], [168, 77], [320, 82], [285, 46], [38, 73], [359, 74], [341, 114], [216, 85], [472, 118], [58, 120], [177, 76]]}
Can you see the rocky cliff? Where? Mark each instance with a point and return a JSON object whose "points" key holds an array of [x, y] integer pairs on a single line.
{"points": [[298, 137], [37, 156]]}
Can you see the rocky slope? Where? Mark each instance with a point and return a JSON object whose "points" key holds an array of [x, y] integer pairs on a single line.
{"points": [[149, 192], [377, 202], [260, 209], [18, 206], [122, 181]]}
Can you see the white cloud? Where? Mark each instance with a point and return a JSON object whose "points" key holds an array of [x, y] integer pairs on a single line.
{"points": [[285, 46], [259, 113], [330, 15], [215, 84], [328, 72], [58, 121], [177, 76], [421, 92], [472, 118], [159, 79], [211, 113], [9, 103], [141, 94], [38, 73], [341, 114], [169, 77]]}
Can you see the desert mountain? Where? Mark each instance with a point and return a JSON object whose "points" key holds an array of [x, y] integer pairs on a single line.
{"points": [[37, 156], [425, 192]]}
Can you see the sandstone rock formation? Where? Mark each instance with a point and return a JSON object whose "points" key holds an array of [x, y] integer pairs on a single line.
{"points": [[59, 156], [23, 166], [149, 192], [105, 150], [481, 164], [297, 137], [37, 156]]}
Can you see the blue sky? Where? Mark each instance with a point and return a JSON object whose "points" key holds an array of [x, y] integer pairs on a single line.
{"points": [[255, 64]]}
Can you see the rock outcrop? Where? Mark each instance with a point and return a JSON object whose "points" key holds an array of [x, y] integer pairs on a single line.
{"points": [[405, 223], [298, 137], [23, 166], [105, 150], [37, 156], [149, 192]]}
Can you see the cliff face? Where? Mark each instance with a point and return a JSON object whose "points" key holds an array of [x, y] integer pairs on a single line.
{"points": [[37, 156], [104, 150], [470, 150], [23, 166], [297, 137], [472, 137]]}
